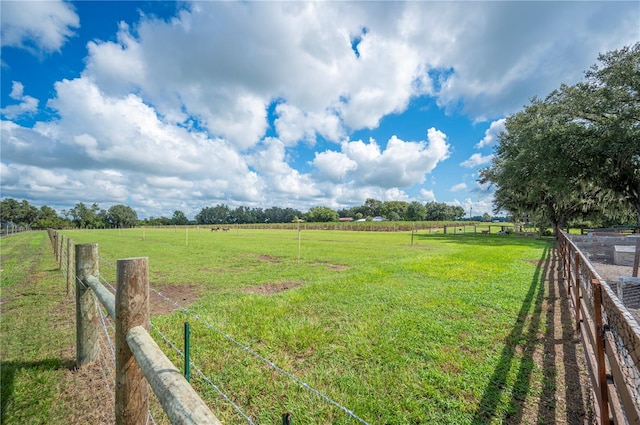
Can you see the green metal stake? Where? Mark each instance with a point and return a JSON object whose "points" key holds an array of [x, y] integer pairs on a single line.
{"points": [[187, 362]]}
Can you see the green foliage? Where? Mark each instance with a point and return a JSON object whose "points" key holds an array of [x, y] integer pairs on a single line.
{"points": [[439, 211], [179, 218], [121, 216], [87, 217], [213, 215], [321, 215], [577, 152], [20, 213], [416, 211], [394, 210]]}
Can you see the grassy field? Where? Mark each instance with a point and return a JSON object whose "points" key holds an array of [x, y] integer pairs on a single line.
{"points": [[437, 332], [36, 332]]}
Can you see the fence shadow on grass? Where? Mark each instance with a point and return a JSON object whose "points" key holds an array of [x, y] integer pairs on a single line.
{"points": [[567, 342], [479, 239], [493, 393], [523, 337], [9, 370]]}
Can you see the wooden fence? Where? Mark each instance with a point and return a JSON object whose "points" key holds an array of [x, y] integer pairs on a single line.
{"points": [[610, 337], [137, 356]]}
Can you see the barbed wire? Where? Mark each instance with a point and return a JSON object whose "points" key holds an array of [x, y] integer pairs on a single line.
{"points": [[106, 282], [81, 282], [150, 417], [244, 347], [257, 355], [104, 366], [107, 262], [202, 375], [103, 321]]}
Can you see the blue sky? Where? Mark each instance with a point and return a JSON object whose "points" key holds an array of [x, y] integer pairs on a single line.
{"points": [[167, 106]]}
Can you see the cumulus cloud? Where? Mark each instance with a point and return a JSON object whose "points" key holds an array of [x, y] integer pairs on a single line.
{"points": [[294, 125], [477, 160], [491, 135], [27, 105], [334, 166], [37, 25], [210, 104], [400, 164], [427, 195], [221, 64], [458, 187], [281, 180]]}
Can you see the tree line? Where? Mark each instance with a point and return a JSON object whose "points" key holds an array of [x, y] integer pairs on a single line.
{"points": [[574, 156], [82, 215]]}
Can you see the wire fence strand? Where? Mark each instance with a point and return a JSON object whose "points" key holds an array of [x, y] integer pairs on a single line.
{"points": [[258, 356], [202, 375]]}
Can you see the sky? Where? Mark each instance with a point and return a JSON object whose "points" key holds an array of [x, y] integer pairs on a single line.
{"points": [[166, 106]]}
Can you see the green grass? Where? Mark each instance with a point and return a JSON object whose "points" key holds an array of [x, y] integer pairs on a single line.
{"points": [[438, 332], [36, 332]]}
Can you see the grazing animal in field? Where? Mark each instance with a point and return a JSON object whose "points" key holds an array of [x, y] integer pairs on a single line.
{"points": [[215, 229], [226, 229]]}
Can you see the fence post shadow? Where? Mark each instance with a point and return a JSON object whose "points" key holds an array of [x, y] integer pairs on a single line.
{"points": [[487, 407]]}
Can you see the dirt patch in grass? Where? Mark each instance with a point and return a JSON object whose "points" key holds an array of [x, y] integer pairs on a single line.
{"points": [[270, 259], [184, 295], [273, 288], [89, 395], [336, 267]]}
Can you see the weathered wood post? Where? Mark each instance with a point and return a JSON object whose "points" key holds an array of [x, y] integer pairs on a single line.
{"points": [[69, 262], [61, 250], [86, 305], [602, 393], [54, 243], [576, 291], [132, 309], [636, 259]]}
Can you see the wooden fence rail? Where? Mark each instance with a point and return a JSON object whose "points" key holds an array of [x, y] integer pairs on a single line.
{"points": [[138, 357], [610, 337]]}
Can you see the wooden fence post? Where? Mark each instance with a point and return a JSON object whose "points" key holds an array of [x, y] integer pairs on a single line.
{"points": [[55, 244], [602, 394], [69, 263], [86, 305], [132, 309], [61, 250], [636, 259], [576, 292]]}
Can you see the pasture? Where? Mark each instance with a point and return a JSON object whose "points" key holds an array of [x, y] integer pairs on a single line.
{"points": [[444, 331]]}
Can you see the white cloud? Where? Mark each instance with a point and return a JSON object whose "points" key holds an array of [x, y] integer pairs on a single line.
{"points": [[27, 105], [37, 25], [280, 180], [427, 195], [222, 64], [458, 187], [492, 134], [175, 111], [401, 164], [294, 125], [477, 160], [334, 166]]}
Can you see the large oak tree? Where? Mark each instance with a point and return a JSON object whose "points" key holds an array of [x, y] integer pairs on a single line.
{"points": [[577, 152]]}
